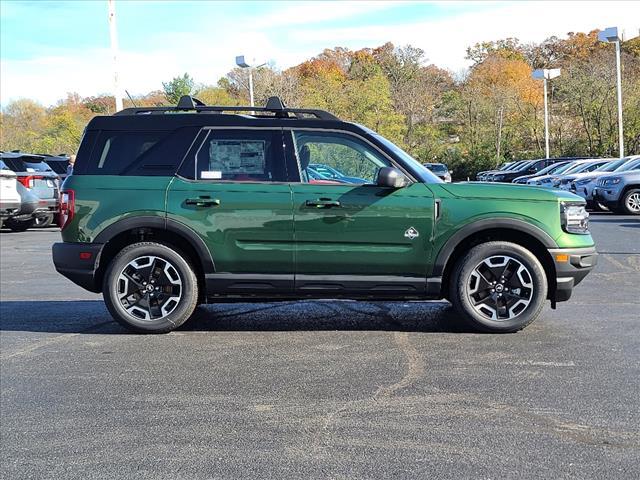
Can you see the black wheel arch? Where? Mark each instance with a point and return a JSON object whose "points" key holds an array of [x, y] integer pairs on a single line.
{"points": [[154, 228], [486, 230]]}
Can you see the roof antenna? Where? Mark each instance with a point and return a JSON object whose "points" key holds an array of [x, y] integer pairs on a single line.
{"points": [[127, 92]]}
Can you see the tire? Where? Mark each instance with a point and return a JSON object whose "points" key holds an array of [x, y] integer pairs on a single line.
{"points": [[524, 289], [19, 225], [631, 202], [43, 221], [173, 282]]}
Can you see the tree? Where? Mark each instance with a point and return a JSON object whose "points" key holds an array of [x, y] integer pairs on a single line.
{"points": [[178, 87]]}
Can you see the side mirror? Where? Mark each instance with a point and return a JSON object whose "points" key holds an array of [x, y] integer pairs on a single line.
{"points": [[391, 177]]}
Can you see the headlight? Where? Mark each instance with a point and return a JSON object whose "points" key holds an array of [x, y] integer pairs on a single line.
{"points": [[574, 218], [583, 181], [612, 181], [555, 182]]}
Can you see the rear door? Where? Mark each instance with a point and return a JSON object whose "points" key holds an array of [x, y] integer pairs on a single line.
{"points": [[232, 190]]}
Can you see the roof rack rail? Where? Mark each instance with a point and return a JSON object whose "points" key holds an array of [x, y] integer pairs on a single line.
{"points": [[187, 103]]}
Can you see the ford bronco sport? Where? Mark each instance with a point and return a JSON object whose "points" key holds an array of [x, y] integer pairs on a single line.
{"points": [[171, 207]]}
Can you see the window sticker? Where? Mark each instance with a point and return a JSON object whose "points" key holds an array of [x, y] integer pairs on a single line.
{"points": [[232, 157], [211, 175]]}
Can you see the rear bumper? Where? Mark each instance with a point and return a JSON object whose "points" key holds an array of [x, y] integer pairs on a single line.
{"points": [[80, 269], [8, 209], [572, 265]]}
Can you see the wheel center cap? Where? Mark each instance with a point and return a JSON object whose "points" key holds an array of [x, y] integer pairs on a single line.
{"points": [[149, 288], [499, 288]]}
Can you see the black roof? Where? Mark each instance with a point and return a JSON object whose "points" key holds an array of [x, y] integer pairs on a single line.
{"points": [[192, 112]]}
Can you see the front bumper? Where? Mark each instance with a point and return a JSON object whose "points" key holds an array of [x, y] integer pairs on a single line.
{"points": [[609, 195], [572, 265], [79, 263]]}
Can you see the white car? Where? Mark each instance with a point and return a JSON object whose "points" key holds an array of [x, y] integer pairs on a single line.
{"points": [[577, 166], [9, 197]]}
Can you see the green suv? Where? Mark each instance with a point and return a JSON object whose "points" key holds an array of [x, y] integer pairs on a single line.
{"points": [[172, 207]]}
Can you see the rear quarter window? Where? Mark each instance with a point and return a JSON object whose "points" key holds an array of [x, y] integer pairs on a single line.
{"points": [[135, 153]]}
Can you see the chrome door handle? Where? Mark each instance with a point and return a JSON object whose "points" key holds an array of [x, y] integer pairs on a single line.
{"points": [[202, 202], [322, 203]]}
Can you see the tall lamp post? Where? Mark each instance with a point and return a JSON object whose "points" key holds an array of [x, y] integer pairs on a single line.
{"points": [[617, 36], [242, 63], [545, 74], [113, 34]]}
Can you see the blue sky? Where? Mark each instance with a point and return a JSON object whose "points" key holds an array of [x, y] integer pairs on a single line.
{"points": [[50, 48]]}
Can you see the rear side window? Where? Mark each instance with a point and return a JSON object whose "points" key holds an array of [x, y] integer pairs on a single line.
{"points": [[15, 164], [133, 153], [116, 151], [238, 156], [58, 166]]}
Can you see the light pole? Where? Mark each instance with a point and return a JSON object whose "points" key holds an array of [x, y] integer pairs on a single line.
{"points": [[545, 74], [113, 34], [242, 63], [617, 36]]}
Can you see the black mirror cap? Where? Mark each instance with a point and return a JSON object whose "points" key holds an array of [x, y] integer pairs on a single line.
{"points": [[391, 177]]}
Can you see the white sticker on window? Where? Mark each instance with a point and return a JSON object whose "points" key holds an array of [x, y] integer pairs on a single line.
{"points": [[211, 174]]}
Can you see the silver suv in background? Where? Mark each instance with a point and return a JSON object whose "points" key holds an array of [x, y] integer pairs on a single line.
{"points": [[619, 191], [583, 184], [40, 180]]}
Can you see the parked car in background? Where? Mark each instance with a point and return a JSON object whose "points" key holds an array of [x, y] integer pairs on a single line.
{"points": [[565, 180], [585, 184], [9, 196], [576, 166], [440, 170], [619, 191], [334, 174], [38, 177], [482, 176], [550, 169], [532, 168], [58, 163], [517, 171]]}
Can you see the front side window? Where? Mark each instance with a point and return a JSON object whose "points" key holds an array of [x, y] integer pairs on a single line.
{"points": [[336, 158], [241, 155]]}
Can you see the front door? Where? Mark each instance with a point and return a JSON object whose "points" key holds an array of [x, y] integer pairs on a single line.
{"points": [[351, 235], [232, 191]]}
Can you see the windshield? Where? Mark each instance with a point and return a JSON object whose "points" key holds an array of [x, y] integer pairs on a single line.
{"points": [[633, 164], [37, 167], [584, 167], [425, 175], [610, 166], [524, 166], [549, 169]]}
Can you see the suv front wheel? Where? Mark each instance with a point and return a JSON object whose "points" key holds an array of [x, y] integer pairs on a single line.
{"points": [[498, 287], [150, 288]]}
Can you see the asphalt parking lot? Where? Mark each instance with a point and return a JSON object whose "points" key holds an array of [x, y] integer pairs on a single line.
{"points": [[319, 389]]}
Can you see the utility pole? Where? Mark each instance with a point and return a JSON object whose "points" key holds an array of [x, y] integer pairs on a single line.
{"points": [[113, 34]]}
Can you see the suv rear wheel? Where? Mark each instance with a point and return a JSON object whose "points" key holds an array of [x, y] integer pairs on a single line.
{"points": [[498, 287], [150, 288]]}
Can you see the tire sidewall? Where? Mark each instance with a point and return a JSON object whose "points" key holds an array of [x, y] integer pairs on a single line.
{"points": [[183, 310], [460, 280], [626, 196]]}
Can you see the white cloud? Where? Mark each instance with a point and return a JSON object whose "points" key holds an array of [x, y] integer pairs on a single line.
{"points": [[209, 55]]}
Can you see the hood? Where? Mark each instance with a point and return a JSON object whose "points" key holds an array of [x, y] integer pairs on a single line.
{"points": [[507, 191]]}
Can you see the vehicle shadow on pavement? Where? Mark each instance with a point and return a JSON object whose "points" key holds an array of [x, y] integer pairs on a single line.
{"points": [[92, 317]]}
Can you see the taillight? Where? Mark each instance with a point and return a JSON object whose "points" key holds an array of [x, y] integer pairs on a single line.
{"points": [[29, 180], [26, 181], [67, 207]]}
